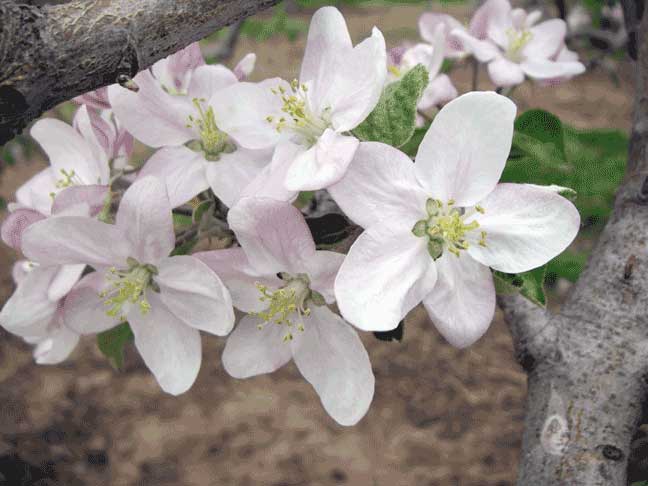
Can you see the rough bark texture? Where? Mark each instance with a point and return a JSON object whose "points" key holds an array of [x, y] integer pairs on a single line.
{"points": [[52, 53], [588, 365]]}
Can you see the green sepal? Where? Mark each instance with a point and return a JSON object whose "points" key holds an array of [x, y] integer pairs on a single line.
{"points": [[529, 284], [393, 120], [181, 221], [111, 344], [200, 210]]}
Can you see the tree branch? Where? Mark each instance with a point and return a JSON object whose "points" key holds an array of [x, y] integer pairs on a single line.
{"points": [[589, 379], [53, 53]]}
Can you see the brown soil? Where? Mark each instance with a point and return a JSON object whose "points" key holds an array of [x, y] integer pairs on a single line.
{"points": [[440, 416]]}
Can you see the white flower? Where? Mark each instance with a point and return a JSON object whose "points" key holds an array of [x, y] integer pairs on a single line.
{"points": [[34, 311], [339, 85], [284, 284], [434, 227], [440, 89], [172, 110], [516, 47], [166, 300]]}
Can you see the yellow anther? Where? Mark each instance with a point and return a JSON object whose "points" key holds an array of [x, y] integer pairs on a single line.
{"points": [[480, 209], [517, 39], [394, 70], [128, 288]]}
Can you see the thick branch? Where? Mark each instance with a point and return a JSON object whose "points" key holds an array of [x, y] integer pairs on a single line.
{"points": [[52, 53], [589, 380]]}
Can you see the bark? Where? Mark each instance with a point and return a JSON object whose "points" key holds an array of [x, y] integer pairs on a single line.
{"points": [[588, 365], [53, 52]]}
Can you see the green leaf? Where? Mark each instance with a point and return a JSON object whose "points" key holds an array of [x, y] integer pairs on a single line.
{"points": [[111, 343], [529, 284], [412, 145], [200, 210], [539, 135], [394, 118], [181, 221], [185, 248]]}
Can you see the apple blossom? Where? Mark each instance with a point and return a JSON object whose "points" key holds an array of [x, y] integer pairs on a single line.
{"points": [[34, 311], [429, 22], [166, 300], [284, 285], [434, 227], [79, 171], [339, 85], [440, 89], [516, 47], [172, 110]]}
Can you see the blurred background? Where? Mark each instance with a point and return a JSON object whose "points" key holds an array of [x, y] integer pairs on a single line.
{"points": [[440, 416]]}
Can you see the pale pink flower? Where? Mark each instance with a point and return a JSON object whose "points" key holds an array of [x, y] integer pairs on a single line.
{"points": [[516, 47], [284, 285], [430, 22], [433, 228], [79, 171], [440, 89], [165, 299], [34, 311], [339, 85], [172, 110]]}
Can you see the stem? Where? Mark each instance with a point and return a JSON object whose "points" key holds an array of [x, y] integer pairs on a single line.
{"points": [[475, 74], [588, 365]]}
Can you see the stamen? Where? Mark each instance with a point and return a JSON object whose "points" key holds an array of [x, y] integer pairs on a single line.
{"points": [[446, 229], [213, 141], [299, 119], [517, 39], [286, 303], [128, 288]]}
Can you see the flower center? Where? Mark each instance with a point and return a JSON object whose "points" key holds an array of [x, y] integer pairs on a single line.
{"points": [[213, 141], [517, 39], [128, 288], [288, 305], [298, 116], [395, 71], [446, 229]]}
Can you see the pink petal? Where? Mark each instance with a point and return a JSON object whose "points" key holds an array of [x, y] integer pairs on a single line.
{"points": [[234, 269], [330, 355], [323, 164], [386, 273], [270, 181], [241, 111], [175, 70], [273, 234], [251, 351], [67, 150], [526, 227], [37, 192], [15, 224], [94, 196], [28, 310], [481, 19], [56, 347], [230, 175], [380, 184], [547, 39], [84, 311], [483, 50], [170, 349], [153, 116], [97, 99], [207, 80], [193, 293], [428, 24], [182, 171], [438, 92], [101, 137], [462, 304], [322, 268], [63, 281], [358, 79], [245, 66], [464, 152], [543, 69], [75, 240], [144, 216], [505, 73], [327, 35]]}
